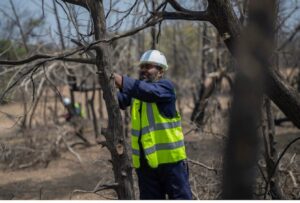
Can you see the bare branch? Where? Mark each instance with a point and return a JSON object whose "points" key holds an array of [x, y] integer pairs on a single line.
{"points": [[78, 3], [202, 165], [84, 49], [52, 58], [98, 187], [199, 15], [277, 163], [291, 37], [178, 7]]}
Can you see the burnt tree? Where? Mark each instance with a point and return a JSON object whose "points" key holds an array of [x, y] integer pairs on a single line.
{"points": [[115, 138], [221, 14], [254, 54]]}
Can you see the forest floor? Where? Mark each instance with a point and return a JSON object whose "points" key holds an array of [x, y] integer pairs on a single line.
{"points": [[58, 173]]}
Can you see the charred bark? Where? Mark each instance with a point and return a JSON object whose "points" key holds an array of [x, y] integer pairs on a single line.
{"points": [[242, 145], [280, 92]]}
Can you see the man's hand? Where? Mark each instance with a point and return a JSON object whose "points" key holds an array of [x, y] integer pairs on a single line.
{"points": [[118, 80]]}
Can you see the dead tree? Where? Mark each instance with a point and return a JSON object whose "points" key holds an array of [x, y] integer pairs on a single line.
{"points": [[23, 35], [97, 128], [242, 144], [115, 138], [268, 132], [221, 14]]}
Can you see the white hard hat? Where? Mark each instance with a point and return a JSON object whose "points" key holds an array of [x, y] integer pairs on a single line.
{"points": [[67, 101], [154, 57]]}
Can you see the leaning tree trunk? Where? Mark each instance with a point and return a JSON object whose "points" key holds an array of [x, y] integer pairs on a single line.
{"points": [[115, 138], [221, 14], [229, 27]]}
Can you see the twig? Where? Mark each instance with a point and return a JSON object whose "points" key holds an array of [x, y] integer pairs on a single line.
{"points": [[290, 38], [22, 166], [62, 137], [262, 173], [97, 188], [63, 56], [72, 151], [195, 194], [202, 165], [293, 179], [277, 162]]}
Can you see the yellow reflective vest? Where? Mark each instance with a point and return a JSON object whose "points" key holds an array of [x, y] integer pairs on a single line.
{"points": [[161, 137]]}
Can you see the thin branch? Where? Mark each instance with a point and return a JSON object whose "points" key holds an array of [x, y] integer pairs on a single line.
{"points": [[277, 162], [293, 179], [286, 18], [128, 11], [61, 57], [195, 15], [84, 49], [178, 7], [297, 29], [262, 172], [97, 188], [202, 165]]}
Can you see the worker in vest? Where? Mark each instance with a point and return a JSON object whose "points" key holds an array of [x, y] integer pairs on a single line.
{"points": [[158, 150], [74, 116], [73, 111]]}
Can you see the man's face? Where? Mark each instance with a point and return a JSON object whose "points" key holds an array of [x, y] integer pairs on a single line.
{"points": [[150, 73]]}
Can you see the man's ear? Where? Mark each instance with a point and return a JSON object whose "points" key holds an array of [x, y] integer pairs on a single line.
{"points": [[161, 72]]}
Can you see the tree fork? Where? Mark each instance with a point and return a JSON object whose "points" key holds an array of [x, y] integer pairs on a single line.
{"points": [[220, 13], [115, 139], [229, 27]]}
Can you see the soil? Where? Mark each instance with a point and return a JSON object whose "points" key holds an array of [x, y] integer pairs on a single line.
{"points": [[58, 173]]}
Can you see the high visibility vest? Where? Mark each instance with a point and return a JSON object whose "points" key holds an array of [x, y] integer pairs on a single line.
{"points": [[79, 111], [161, 137]]}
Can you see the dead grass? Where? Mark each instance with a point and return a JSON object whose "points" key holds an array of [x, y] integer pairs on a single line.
{"points": [[59, 172]]}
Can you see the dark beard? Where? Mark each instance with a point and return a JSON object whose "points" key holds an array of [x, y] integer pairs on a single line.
{"points": [[151, 78], [141, 76]]}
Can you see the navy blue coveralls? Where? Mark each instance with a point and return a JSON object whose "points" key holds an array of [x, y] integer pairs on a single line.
{"points": [[167, 179]]}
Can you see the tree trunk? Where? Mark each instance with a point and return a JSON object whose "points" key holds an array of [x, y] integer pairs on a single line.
{"points": [[45, 108], [242, 144], [39, 95], [270, 151], [24, 119], [229, 27], [153, 29], [200, 102], [86, 102], [101, 113], [115, 138], [94, 117], [24, 40]]}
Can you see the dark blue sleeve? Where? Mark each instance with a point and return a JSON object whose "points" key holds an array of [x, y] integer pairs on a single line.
{"points": [[160, 91], [124, 100]]}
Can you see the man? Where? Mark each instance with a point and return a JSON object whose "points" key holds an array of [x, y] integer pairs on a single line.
{"points": [[74, 116], [72, 111], [158, 150]]}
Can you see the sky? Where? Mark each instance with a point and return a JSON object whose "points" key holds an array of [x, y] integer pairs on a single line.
{"points": [[34, 7]]}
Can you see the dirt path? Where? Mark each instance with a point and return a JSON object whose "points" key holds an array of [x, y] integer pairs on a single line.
{"points": [[60, 178]]}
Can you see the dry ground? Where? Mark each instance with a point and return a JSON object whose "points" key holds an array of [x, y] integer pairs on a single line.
{"points": [[59, 172]]}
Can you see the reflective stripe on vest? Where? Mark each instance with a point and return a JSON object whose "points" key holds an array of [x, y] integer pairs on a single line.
{"points": [[158, 126], [161, 137]]}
